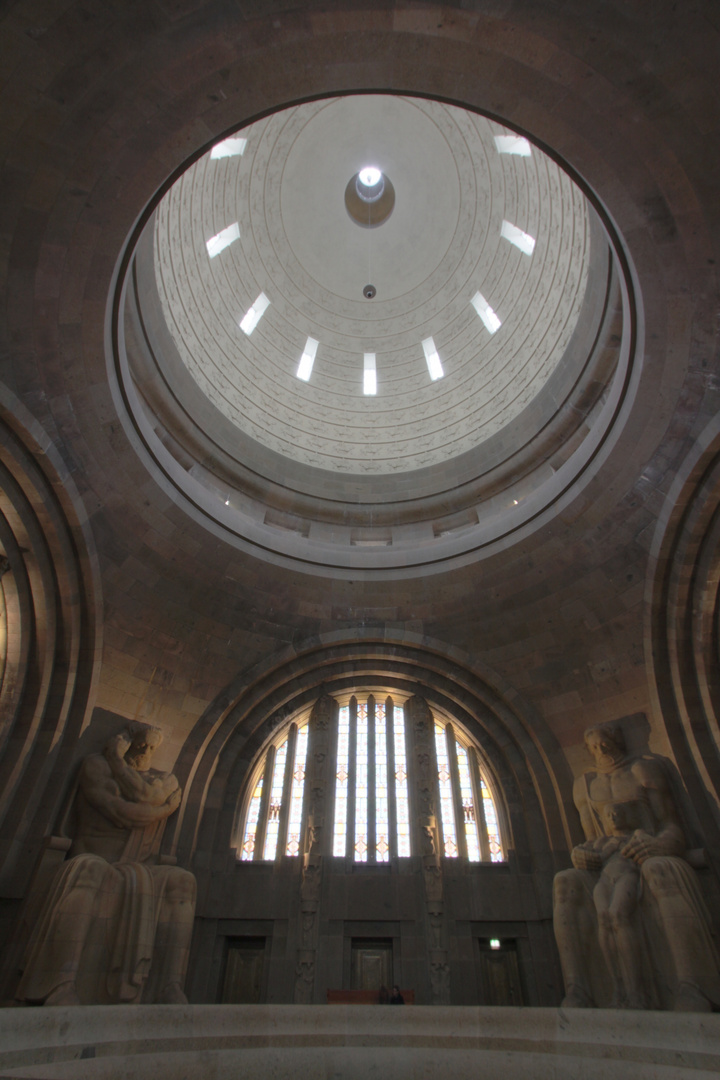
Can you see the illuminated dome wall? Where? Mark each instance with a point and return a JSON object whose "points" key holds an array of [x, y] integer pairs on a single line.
{"points": [[387, 399]]}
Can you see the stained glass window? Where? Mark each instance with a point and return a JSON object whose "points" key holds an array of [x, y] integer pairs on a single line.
{"points": [[296, 793], [447, 813], [248, 847], [342, 777], [402, 806], [382, 813], [361, 784], [276, 794], [372, 791], [468, 804], [496, 852]]}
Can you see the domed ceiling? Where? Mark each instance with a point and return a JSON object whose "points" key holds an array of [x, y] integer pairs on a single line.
{"points": [[380, 372], [478, 276]]}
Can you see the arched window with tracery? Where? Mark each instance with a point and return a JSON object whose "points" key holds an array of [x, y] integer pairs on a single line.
{"points": [[374, 775]]}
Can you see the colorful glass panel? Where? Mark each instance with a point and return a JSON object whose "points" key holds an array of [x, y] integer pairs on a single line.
{"points": [[468, 804], [361, 784], [382, 818], [248, 845], [447, 813], [276, 794], [496, 852], [342, 775], [402, 805], [296, 793]]}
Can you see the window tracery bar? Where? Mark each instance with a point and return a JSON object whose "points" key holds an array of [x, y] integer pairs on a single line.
{"points": [[361, 784], [468, 804], [447, 811], [342, 777], [297, 790], [382, 813], [276, 795], [402, 804]]}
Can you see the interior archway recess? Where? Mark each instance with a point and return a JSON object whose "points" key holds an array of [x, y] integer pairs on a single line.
{"points": [[396, 520], [683, 622], [51, 593], [527, 763]]}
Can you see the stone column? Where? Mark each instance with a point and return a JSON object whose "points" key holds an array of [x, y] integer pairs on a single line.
{"points": [[316, 797], [426, 834]]}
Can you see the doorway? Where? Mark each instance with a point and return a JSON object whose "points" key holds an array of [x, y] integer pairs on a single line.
{"points": [[371, 963]]}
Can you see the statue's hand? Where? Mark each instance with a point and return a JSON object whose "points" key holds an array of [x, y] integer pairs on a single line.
{"points": [[641, 846], [584, 858], [118, 745]]}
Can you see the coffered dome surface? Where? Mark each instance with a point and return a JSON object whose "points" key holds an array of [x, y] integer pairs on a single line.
{"points": [[458, 194]]}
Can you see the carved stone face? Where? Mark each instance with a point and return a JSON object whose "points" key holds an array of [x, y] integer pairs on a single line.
{"points": [[142, 748], [606, 745], [616, 818]]}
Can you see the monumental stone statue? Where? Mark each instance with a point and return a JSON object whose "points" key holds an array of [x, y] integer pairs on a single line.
{"points": [[630, 922], [116, 924]]}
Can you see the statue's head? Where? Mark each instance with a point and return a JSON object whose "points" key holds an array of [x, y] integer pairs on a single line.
{"points": [[617, 818], [145, 741], [606, 743]]}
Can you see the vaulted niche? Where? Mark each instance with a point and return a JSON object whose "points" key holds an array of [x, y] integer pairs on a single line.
{"points": [[390, 376]]}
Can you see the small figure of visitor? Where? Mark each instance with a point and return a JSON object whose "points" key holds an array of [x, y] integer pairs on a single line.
{"points": [[396, 997]]}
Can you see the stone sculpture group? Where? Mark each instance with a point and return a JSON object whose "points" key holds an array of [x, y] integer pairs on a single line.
{"points": [[116, 925], [631, 925]]}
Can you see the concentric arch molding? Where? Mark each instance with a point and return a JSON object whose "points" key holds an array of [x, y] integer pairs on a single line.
{"points": [[431, 470]]}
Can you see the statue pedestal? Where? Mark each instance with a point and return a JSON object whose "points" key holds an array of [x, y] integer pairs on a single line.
{"points": [[349, 1042]]}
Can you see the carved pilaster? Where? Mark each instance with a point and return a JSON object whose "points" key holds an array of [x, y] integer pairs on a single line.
{"points": [[314, 844], [422, 727]]}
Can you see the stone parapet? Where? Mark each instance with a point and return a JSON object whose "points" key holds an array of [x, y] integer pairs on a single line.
{"points": [[280, 1041]]}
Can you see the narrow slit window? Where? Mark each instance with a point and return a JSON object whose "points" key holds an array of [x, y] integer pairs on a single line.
{"points": [[252, 317], [369, 374], [276, 793], [522, 240], [361, 784], [496, 852], [447, 814], [296, 793], [223, 239], [342, 776], [401, 783], [468, 804], [382, 809], [513, 144], [248, 846], [231, 147]]}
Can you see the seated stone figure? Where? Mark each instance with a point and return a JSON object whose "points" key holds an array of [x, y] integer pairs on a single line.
{"points": [[116, 924], [631, 926], [616, 897]]}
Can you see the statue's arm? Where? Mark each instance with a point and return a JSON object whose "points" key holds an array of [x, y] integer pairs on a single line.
{"points": [[585, 856], [132, 784], [101, 790], [669, 838]]}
